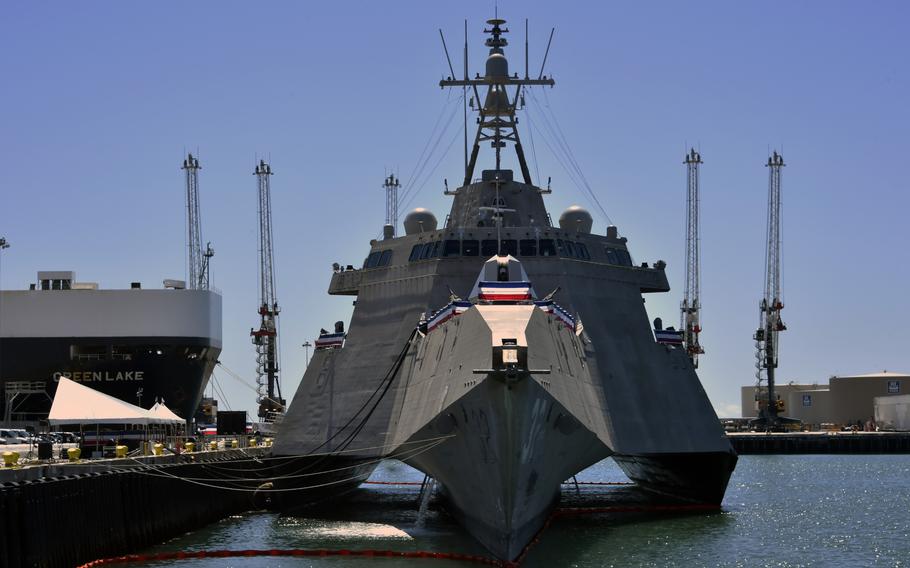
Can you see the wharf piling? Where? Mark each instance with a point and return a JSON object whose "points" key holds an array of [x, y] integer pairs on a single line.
{"points": [[69, 514], [821, 443]]}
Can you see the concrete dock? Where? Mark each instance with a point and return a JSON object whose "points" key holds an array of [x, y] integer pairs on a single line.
{"points": [[820, 442], [67, 514]]}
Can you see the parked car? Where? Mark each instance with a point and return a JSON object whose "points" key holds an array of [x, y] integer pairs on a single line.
{"points": [[24, 435], [68, 437], [9, 437]]}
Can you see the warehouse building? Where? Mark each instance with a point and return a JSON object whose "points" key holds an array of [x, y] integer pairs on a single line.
{"points": [[843, 401]]}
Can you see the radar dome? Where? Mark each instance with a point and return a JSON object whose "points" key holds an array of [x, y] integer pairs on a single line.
{"points": [[418, 221], [497, 65], [576, 218]]}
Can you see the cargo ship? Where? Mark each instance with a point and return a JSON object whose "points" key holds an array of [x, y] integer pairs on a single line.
{"points": [[137, 344]]}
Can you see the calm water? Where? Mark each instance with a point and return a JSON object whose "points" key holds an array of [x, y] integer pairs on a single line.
{"points": [[781, 511]]}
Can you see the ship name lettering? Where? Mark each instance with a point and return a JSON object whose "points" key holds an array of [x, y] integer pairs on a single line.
{"points": [[99, 376]]}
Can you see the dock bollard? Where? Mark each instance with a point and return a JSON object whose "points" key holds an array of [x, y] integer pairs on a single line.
{"points": [[10, 458], [235, 444], [190, 447], [74, 454], [213, 445], [120, 451], [158, 449], [252, 442]]}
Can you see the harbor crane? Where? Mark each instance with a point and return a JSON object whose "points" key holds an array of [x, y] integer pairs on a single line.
{"points": [[691, 305], [197, 258], [767, 336], [268, 389]]}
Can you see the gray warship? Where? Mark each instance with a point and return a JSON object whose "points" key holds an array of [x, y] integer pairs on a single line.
{"points": [[499, 354]]}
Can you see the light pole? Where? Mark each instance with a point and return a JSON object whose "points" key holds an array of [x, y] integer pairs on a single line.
{"points": [[4, 244], [307, 345]]}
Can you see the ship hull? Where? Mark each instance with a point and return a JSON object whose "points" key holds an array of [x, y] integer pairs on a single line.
{"points": [[506, 449], [175, 369], [300, 482], [697, 476], [137, 345]]}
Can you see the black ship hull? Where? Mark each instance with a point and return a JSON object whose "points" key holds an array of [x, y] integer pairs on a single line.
{"points": [[301, 482], [698, 477], [138, 370]]}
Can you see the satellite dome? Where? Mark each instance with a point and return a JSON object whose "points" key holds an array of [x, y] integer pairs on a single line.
{"points": [[418, 221], [576, 218]]}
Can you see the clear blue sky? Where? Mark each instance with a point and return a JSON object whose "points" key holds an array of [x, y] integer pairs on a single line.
{"points": [[100, 100]]}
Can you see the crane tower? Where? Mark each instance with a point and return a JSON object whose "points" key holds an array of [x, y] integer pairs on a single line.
{"points": [[197, 259], [691, 304], [265, 339], [771, 324]]}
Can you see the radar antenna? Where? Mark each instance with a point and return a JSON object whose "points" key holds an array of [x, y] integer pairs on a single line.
{"points": [[691, 304], [497, 122], [268, 389]]}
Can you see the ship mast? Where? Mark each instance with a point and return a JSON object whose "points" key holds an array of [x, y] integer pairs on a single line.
{"points": [[197, 259], [391, 185], [691, 304], [771, 324], [268, 389], [497, 123]]}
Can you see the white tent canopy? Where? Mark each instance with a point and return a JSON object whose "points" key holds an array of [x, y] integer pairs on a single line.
{"points": [[161, 411], [78, 404]]}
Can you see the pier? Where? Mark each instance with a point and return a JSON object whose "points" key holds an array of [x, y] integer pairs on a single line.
{"points": [[821, 442], [66, 514]]}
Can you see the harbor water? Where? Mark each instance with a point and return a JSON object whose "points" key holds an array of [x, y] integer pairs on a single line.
{"points": [[781, 511]]}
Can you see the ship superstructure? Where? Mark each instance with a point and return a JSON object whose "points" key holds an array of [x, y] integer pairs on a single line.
{"points": [[498, 398], [137, 344]]}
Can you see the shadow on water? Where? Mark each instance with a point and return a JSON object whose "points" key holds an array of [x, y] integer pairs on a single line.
{"points": [[386, 516], [807, 511]]}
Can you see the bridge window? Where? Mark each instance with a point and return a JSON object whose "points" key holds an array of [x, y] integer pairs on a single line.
{"points": [[415, 253], [624, 258], [451, 248], [469, 247], [372, 260], [527, 247], [508, 246], [582, 251], [430, 250], [546, 247], [386, 258], [612, 258], [488, 248]]}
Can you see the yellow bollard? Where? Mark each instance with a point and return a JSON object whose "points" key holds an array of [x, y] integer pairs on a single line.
{"points": [[158, 449], [268, 442], [235, 444], [213, 445], [120, 451], [190, 447], [10, 458], [74, 454], [252, 443]]}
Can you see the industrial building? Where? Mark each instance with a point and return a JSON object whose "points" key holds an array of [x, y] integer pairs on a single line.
{"points": [[843, 401]]}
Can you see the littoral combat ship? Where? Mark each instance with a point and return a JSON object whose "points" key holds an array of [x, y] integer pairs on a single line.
{"points": [[467, 357]]}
